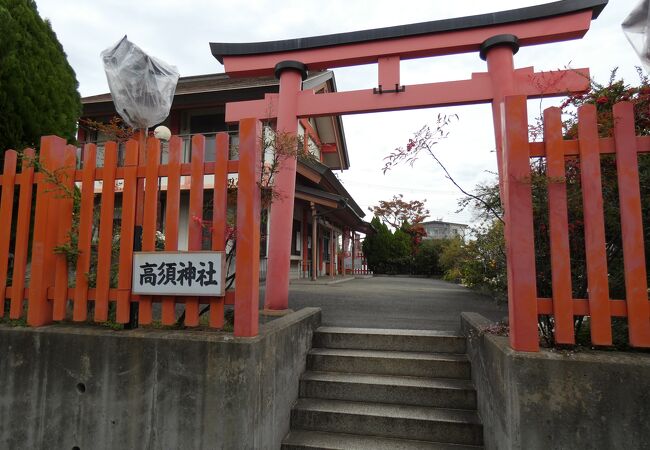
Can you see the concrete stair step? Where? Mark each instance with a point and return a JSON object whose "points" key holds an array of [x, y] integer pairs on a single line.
{"points": [[415, 364], [387, 339], [443, 393], [302, 439], [383, 420]]}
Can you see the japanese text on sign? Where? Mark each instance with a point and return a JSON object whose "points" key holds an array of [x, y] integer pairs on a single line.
{"points": [[179, 273]]}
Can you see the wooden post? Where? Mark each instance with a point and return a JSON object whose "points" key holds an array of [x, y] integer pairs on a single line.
{"points": [[247, 259], [518, 207], [314, 237], [281, 216], [636, 284], [104, 254], [39, 310], [65, 208], [304, 252], [195, 233], [126, 310], [22, 237], [150, 207], [595, 247], [172, 212], [559, 227], [332, 256], [219, 217], [6, 212]]}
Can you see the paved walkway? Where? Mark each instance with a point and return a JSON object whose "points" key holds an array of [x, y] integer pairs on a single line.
{"points": [[394, 302]]}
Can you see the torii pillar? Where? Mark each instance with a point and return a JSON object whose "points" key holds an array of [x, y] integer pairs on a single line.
{"points": [[291, 75]]}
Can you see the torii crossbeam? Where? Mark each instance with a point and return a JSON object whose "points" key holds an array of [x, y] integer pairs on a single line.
{"points": [[496, 37]]}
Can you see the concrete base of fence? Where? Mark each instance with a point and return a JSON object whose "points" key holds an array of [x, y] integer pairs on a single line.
{"points": [[557, 399], [93, 388]]}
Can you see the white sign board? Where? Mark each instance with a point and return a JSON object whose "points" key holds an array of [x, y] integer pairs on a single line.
{"points": [[179, 273]]}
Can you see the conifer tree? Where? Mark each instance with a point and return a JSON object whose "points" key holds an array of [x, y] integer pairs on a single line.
{"points": [[38, 88]]}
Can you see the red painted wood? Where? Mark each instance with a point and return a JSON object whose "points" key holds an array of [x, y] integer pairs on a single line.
{"points": [[127, 232], [304, 251], [105, 246], [636, 284], [388, 68], [6, 213], [150, 215], [171, 217], [220, 191], [22, 235], [520, 248], [502, 78], [39, 309], [618, 308], [248, 230], [208, 167], [80, 308], [479, 89], [594, 224], [559, 227], [606, 146], [65, 204], [532, 32], [219, 217], [281, 216], [195, 234]]}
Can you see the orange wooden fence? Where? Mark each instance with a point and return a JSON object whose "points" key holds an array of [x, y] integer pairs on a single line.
{"points": [[52, 293], [524, 304]]}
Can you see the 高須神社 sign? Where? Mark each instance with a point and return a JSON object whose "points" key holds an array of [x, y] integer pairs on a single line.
{"points": [[179, 273]]}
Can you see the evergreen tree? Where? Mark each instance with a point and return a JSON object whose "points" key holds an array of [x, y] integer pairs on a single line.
{"points": [[38, 88]]}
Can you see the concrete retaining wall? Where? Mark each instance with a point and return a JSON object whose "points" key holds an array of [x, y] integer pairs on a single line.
{"points": [[84, 388], [558, 400]]}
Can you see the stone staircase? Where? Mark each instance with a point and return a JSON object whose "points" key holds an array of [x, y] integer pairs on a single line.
{"points": [[385, 389]]}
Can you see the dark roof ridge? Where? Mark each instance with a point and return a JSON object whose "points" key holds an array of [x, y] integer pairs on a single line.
{"points": [[221, 49]]}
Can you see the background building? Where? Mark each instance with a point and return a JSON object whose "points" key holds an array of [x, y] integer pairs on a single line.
{"points": [[437, 229], [323, 208]]}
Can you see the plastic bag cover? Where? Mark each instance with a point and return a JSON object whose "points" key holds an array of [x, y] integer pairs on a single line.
{"points": [[635, 27], [142, 86]]}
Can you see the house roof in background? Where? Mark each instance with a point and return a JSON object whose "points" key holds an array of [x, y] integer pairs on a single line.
{"points": [[333, 182], [217, 82]]}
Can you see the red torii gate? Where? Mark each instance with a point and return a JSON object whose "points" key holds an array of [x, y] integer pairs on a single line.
{"points": [[496, 36]]}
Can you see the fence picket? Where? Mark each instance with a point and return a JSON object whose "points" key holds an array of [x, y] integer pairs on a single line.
{"points": [[23, 223], [171, 217], [80, 308], [195, 232], [127, 232], [627, 167], [219, 216], [6, 213], [559, 227], [594, 225], [247, 259], [39, 308], [150, 216], [105, 247], [65, 206]]}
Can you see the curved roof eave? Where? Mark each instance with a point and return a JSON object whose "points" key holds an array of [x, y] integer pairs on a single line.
{"points": [[221, 49]]}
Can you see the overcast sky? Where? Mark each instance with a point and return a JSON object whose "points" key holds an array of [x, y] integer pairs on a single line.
{"points": [[179, 33]]}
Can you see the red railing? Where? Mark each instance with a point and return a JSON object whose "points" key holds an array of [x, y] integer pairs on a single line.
{"points": [[53, 294], [524, 304]]}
